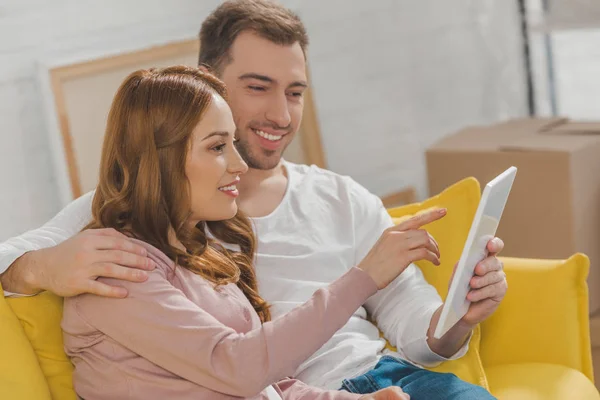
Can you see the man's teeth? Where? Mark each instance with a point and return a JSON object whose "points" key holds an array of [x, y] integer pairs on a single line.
{"points": [[228, 188], [267, 136]]}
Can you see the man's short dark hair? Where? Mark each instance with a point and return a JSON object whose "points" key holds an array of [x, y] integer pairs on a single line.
{"points": [[267, 19]]}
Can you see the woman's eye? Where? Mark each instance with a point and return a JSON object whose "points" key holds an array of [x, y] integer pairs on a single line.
{"points": [[219, 148]]}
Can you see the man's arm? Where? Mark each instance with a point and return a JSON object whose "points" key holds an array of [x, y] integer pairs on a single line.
{"points": [[65, 224], [58, 258], [408, 310], [405, 311]]}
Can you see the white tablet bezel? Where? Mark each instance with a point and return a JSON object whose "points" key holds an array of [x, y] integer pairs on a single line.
{"points": [[495, 196]]}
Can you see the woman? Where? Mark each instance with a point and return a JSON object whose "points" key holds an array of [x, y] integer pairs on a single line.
{"points": [[197, 328]]}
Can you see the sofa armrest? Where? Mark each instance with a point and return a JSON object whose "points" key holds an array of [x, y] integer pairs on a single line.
{"points": [[544, 316]]}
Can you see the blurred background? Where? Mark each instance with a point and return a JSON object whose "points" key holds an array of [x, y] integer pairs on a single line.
{"points": [[389, 77]]}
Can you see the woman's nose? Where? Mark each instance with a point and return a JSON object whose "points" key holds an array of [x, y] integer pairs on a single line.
{"points": [[237, 165]]}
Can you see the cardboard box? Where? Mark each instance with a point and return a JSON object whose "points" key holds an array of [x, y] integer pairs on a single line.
{"points": [[595, 341], [554, 208]]}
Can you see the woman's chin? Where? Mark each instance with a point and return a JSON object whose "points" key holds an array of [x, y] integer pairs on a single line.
{"points": [[224, 214]]}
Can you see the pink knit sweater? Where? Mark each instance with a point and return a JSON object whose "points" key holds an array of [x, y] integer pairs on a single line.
{"points": [[176, 337]]}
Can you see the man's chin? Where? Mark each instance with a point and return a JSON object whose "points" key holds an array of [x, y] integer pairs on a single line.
{"points": [[260, 158], [264, 159], [264, 164]]}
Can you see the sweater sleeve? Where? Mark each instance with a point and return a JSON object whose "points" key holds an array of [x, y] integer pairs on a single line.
{"points": [[203, 350]]}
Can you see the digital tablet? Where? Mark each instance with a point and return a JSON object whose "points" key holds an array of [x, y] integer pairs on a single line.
{"points": [[483, 229]]}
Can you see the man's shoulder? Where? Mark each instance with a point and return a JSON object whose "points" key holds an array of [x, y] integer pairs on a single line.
{"points": [[314, 174], [336, 189]]}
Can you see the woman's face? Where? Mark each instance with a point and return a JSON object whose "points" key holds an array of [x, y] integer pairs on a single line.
{"points": [[213, 165]]}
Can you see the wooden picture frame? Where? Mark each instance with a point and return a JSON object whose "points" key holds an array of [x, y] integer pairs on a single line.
{"points": [[77, 96]]}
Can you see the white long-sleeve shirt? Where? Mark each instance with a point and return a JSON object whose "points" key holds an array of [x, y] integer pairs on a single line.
{"points": [[325, 225]]}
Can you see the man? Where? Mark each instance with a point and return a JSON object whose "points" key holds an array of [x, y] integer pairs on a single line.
{"points": [[312, 226]]}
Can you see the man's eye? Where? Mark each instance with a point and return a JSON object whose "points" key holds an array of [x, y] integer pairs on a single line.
{"points": [[257, 88]]}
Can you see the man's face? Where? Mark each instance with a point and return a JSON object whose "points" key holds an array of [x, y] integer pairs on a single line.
{"points": [[266, 83]]}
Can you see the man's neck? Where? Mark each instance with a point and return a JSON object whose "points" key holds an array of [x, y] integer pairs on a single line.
{"points": [[261, 191]]}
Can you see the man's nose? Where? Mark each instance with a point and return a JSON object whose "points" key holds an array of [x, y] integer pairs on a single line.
{"points": [[278, 112]]}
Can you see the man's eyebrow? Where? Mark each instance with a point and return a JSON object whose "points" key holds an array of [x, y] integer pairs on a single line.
{"points": [[259, 77], [224, 134], [268, 79], [298, 84]]}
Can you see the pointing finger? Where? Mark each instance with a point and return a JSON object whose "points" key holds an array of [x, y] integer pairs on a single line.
{"points": [[422, 219]]}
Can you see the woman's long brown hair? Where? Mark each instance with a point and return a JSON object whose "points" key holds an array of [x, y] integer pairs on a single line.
{"points": [[143, 190]]}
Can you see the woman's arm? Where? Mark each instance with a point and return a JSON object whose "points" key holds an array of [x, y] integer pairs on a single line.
{"points": [[159, 323]]}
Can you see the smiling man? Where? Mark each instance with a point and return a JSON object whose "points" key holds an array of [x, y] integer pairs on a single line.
{"points": [[312, 226]]}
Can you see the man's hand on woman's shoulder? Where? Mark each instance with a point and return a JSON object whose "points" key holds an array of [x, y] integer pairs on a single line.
{"points": [[72, 267]]}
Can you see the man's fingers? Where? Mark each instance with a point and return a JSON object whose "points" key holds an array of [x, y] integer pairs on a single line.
{"points": [[114, 243], [495, 246], [422, 219], [107, 232], [126, 259], [478, 282], [110, 270], [487, 292], [488, 265], [104, 290]]}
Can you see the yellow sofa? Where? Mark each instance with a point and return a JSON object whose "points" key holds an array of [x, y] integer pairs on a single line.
{"points": [[536, 346]]}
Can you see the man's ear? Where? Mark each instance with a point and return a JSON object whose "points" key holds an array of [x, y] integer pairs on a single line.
{"points": [[206, 68]]}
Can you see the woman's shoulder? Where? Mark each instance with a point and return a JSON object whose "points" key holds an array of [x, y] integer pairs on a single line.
{"points": [[158, 257]]}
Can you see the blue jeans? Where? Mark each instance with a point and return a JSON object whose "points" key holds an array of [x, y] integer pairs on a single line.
{"points": [[419, 383]]}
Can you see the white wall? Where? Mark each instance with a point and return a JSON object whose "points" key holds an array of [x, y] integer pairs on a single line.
{"points": [[566, 59], [577, 73], [390, 76]]}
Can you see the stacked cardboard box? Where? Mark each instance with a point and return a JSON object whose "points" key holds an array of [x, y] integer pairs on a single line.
{"points": [[554, 207], [595, 336]]}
